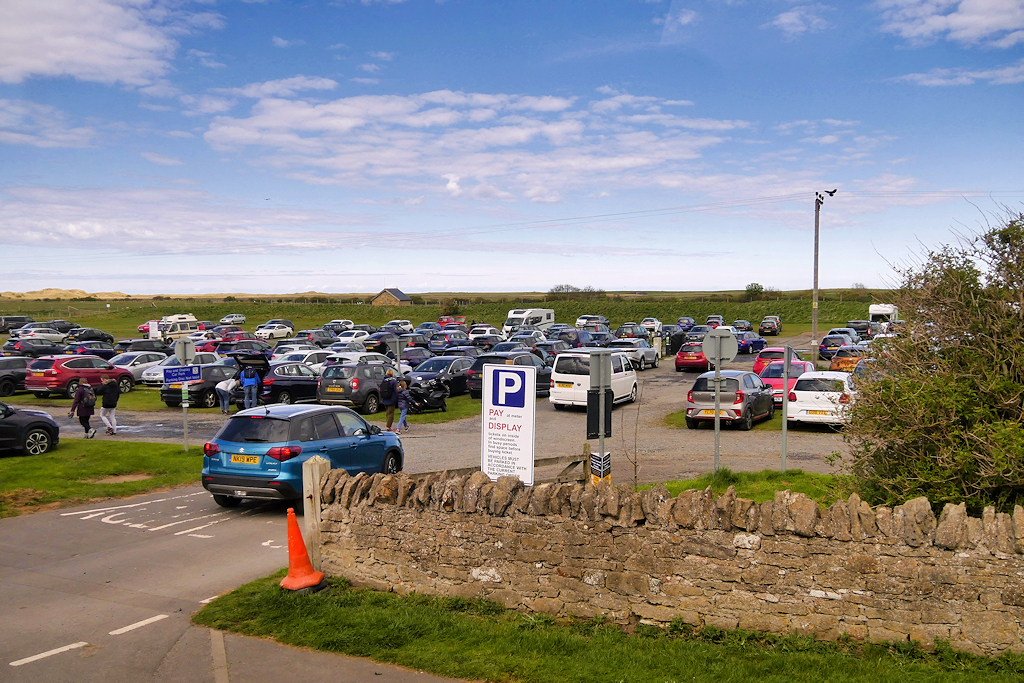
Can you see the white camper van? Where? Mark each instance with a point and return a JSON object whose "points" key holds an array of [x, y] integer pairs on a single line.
{"points": [[177, 326], [883, 314], [541, 318]]}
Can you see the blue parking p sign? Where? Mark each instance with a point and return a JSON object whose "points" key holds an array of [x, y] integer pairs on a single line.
{"points": [[508, 421], [508, 387]]}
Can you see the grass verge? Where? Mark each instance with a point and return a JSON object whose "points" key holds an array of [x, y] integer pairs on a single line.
{"points": [[70, 473], [480, 640], [761, 486], [142, 399]]}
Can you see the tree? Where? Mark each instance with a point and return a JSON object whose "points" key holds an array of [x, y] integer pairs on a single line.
{"points": [[754, 290], [449, 307], [942, 414]]}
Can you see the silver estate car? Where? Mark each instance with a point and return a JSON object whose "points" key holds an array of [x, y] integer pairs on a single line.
{"points": [[745, 399]]}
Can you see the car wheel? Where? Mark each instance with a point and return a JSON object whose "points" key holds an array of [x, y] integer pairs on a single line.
{"points": [[37, 442], [371, 405], [643, 363], [208, 399], [632, 394], [42, 394], [692, 424], [392, 464], [226, 501], [747, 423], [771, 411], [125, 384], [71, 388], [7, 387], [285, 398], [657, 361], [475, 394], [559, 406]]}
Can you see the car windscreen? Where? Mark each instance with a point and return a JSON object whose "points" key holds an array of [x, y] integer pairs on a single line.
{"points": [[819, 384], [254, 429], [170, 362], [338, 372], [707, 384], [771, 355], [837, 341], [696, 329], [774, 371], [691, 348], [123, 358], [41, 364], [514, 321], [622, 345], [572, 365], [295, 357], [433, 365], [849, 353]]}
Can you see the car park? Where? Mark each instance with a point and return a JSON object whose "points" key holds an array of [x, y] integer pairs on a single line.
{"points": [[33, 432], [365, 357], [233, 319], [846, 358], [772, 375], [474, 378], [822, 397], [697, 333], [439, 341], [154, 376], [749, 342], [570, 379], [259, 453], [744, 399], [691, 357], [354, 384], [18, 331], [12, 374], [449, 370], [318, 336], [286, 346], [768, 326], [83, 334], [338, 325], [31, 347], [767, 355], [830, 345], [414, 355], [202, 392], [62, 375], [639, 351], [91, 348], [137, 362]]}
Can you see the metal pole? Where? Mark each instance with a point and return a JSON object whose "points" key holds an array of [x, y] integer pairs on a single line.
{"points": [[818, 199], [600, 419], [785, 402], [718, 400], [184, 418]]}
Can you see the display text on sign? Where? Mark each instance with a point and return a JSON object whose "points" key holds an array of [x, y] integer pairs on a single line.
{"points": [[508, 421]]}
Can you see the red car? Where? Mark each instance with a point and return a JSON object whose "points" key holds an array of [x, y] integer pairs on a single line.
{"points": [[211, 346], [691, 357], [769, 354], [144, 327], [62, 374], [772, 376]]}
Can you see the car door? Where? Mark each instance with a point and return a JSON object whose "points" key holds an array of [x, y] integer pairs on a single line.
{"points": [[331, 443], [621, 380], [458, 375], [365, 454], [305, 383]]}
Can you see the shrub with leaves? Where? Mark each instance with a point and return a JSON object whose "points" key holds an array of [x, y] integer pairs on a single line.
{"points": [[942, 416]]}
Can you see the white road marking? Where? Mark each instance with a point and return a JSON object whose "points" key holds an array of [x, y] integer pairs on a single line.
{"points": [[207, 601], [109, 519], [198, 536], [267, 544], [94, 512], [185, 521], [138, 624], [49, 653]]}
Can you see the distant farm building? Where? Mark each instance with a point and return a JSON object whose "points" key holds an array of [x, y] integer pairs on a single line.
{"points": [[391, 297]]}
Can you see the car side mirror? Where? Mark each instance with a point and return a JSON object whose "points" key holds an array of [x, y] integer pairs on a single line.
{"points": [[374, 430]]}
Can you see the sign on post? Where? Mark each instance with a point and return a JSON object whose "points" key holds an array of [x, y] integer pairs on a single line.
{"points": [[185, 350], [184, 375], [719, 347], [599, 413], [508, 422]]}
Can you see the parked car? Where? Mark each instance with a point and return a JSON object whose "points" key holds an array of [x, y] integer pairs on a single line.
{"points": [[92, 348], [156, 345], [277, 321], [652, 325], [413, 339], [352, 384], [822, 397], [553, 347], [570, 379], [154, 376], [848, 331], [137, 362], [247, 345], [488, 341], [529, 337], [574, 338], [415, 355], [485, 330], [585, 320], [365, 327], [224, 329], [353, 335], [772, 375], [259, 453], [638, 350], [685, 322], [439, 341], [507, 346], [777, 319], [286, 346], [313, 359], [601, 338], [630, 331], [62, 375], [275, 331], [846, 358], [339, 346], [742, 326], [33, 432], [744, 399], [769, 354], [10, 322], [365, 357], [33, 347], [749, 342], [233, 319], [83, 334], [449, 370], [714, 321], [697, 333], [381, 341], [691, 357], [474, 378], [201, 392], [144, 327], [830, 345], [12, 374], [768, 326], [285, 381], [38, 331], [468, 351], [427, 327]]}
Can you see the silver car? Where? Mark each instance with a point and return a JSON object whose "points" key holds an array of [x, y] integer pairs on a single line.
{"points": [[137, 362], [638, 350], [744, 399]]}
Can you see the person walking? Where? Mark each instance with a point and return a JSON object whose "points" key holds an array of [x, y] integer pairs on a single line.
{"points": [[111, 393], [404, 399], [389, 396], [224, 389], [83, 404], [250, 385]]}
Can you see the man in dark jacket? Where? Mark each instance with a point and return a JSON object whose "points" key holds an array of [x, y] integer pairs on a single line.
{"points": [[389, 396], [111, 392]]}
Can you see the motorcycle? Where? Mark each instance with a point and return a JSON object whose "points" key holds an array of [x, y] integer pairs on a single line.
{"points": [[430, 395]]}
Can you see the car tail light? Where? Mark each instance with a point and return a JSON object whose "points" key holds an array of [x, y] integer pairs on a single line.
{"points": [[267, 381], [845, 398], [282, 453], [792, 396], [210, 450], [354, 383], [689, 396], [739, 397]]}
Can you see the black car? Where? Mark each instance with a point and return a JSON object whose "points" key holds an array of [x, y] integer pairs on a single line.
{"points": [[202, 393], [505, 347], [414, 355], [356, 385], [247, 345], [487, 341], [320, 337], [33, 432], [12, 374], [287, 382], [554, 347], [451, 370], [444, 339], [63, 325], [82, 334], [34, 347], [601, 338], [102, 349], [144, 345], [365, 328], [474, 378], [414, 339], [380, 342], [631, 331], [768, 326], [11, 322], [574, 338], [742, 326], [471, 351]]}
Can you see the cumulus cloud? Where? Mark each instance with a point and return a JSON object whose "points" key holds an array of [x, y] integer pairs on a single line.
{"points": [[1013, 73], [284, 87], [101, 41], [39, 125], [994, 23], [799, 20], [366, 81], [675, 20], [370, 68], [161, 160]]}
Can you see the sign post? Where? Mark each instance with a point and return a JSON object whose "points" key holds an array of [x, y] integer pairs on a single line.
{"points": [[785, 402], [508, 422], [719, 347], [599, 408], [184, 375]]}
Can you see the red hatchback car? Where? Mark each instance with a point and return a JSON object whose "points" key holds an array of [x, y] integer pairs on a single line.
{"points": [[772, 376], [62, 374], [769, 354], [691, 357]]}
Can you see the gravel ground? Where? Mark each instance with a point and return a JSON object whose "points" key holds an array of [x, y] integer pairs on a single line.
{"points": [[663, 452]]}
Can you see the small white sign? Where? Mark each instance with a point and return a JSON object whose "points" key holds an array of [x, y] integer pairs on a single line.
{"points": [[508, 421]]}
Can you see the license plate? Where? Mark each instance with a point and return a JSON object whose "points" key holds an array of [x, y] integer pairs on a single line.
{"points": [[176, 386], [818, 412], [564, 385], [689, 357], [246, 459], [37, 374], [335, 389], [721, 413], [69, 352]]}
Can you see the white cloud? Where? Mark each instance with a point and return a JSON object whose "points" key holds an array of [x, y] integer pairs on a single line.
{"points": [[160, 159], [995, 23], [281, 42], [284, 87], [103, 41], [937, 77], [366, 81], [370, 68], [823, 140], [673, 23], [205, 104], [799, 20], [39, 125], [384, 56], [205, 59]]}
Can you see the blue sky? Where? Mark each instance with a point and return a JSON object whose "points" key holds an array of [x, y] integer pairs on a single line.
{"points": [[154, 147]]}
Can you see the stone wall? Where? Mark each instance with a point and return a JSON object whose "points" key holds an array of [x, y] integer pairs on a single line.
{"points": [[784, 566]]}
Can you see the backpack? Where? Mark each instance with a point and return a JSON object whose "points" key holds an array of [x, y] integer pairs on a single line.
{"points": [[88, 397], [249, 373], [387, 388]]}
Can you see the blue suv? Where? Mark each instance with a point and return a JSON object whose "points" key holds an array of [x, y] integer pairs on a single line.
{"points": [[258, 453]]}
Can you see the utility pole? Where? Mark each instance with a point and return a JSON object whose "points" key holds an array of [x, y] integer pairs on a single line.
{"points": [[819, 199]]}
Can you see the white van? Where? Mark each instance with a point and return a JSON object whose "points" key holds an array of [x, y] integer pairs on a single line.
{"points": [[177, 326], [570, 379], [541, 318]]}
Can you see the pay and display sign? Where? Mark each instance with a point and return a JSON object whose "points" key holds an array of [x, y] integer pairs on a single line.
{"points": [[508, 422]]}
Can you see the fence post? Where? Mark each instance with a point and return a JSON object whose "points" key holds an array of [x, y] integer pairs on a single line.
{"points": [[313, 471]]}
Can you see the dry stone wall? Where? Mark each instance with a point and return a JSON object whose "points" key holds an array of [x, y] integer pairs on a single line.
{"points": [[784, 566]]}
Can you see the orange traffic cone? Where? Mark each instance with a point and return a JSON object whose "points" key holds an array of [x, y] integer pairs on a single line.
{"points": [[301, 575]]}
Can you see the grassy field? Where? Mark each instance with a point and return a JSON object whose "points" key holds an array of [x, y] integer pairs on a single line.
{"points": [[144, 399], [480, 640], [72, 472], [761, 486]]}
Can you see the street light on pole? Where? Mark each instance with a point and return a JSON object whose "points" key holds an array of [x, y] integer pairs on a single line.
{"points": [[819, 199]]}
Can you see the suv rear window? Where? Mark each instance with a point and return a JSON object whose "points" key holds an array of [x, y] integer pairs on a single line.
{"points": [[771, 355], [338, 372], [254, 429], [572, 365], [705, 384], [819, 384], [40, 364]]}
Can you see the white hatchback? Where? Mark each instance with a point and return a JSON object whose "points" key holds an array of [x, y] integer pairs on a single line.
{"points": [[822, 397], [274, 332], [570, 379]]}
